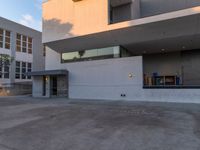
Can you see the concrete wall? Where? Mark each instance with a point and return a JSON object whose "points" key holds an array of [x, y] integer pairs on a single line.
{"points": [[102, 79], [71, 19], [155, 7], [37, 90], [108, 79]]}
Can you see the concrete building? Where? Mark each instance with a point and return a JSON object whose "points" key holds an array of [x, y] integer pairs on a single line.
{"points": [[22, 45], [146, 50]]}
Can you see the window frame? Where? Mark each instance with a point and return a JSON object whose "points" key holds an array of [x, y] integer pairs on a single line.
{"points": [[24, 43]]}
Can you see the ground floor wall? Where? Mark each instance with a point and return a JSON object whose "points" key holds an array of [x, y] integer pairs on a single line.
{"points": [[106, 79], [117, 79], [120, 79], [16, 89], [37, 86]]}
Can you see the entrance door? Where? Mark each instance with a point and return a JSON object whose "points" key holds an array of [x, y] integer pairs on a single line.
{"points": [[44, 86], [54, 85]]}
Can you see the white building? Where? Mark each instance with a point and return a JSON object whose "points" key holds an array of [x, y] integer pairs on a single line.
{"points": [[144, 50], [22, 45]]}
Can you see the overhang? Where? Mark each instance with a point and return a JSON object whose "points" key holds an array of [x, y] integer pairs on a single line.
{"points": [[177, 29], [47, 73]]}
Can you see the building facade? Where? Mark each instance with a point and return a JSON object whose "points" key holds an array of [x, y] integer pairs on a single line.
{"points": [[145, 50], [19, 45]]}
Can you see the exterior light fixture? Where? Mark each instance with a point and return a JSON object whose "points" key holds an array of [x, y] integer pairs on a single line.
{"points": [[130, 75], [163, 49]]}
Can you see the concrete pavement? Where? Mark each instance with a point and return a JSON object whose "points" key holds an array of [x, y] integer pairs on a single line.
{"points": [[59, 124]]}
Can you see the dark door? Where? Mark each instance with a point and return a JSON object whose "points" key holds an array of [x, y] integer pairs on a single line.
{"points": [[44, 86], [54, 85]]}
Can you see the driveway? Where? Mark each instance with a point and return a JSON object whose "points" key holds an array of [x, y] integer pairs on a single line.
{"points": [[59, 124]]}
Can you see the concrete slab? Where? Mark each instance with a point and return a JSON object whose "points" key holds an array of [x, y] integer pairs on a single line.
{"points": [[60, 124]]}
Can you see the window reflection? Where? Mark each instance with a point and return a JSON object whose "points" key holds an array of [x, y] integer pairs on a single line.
{"points": [[94, 54]]}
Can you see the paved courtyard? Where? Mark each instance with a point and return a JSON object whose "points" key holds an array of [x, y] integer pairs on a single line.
{"points": [[58, 124]]}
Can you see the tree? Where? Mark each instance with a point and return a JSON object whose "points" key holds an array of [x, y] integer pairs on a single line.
{"points": [[81, 53], [5, 61]]}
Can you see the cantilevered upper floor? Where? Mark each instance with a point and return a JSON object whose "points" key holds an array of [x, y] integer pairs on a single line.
{"points": [[70, 25]]}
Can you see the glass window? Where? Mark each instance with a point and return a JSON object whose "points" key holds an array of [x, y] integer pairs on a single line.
{"points": [[30, 40], [24, 49], [29, 66], [1, 31], [115, 11], [30, 45], [18, 36], [17, 70], [1, 44], [1, 71], [7, 39], [24, 38], [7, 45], [1, 38], [29, 69], [18, 43], [44, 50], [102, 53], [23, 70], [6, 75], [6, 72], [24, 44], [8, 33]]}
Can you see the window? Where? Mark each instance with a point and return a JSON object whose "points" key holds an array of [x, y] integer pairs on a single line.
{"points": [[23, 70], [29, 69], [44, 50], [4, 67], [30, 45], [1, 38], [119, 11], [5, 39], [6, 71], [18, 43], [24, 43], [95, 54], [1, 71], [17, 70]]}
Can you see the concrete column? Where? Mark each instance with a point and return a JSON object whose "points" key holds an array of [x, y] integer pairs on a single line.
{"points": [[48, 86], [13, 54]]}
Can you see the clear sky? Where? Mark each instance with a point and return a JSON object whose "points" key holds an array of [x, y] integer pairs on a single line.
{"points": [[26, 12]]}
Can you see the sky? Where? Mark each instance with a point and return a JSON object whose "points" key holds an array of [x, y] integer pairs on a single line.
{"points": [[26, 12]]}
